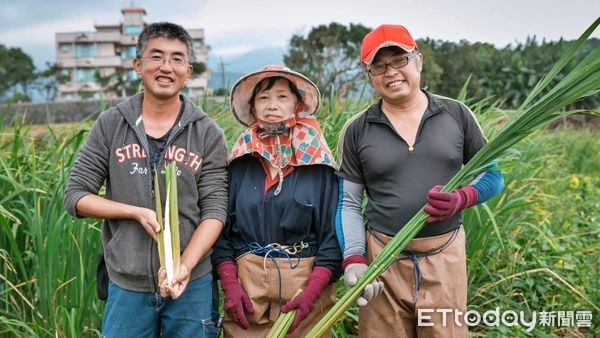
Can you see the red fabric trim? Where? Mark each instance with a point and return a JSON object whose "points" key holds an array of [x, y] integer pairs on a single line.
{"points": [[354, 259], [470, 194], [270, 182]]}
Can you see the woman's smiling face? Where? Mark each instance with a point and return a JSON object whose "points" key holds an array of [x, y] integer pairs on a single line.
{"points": [[274, 104]]}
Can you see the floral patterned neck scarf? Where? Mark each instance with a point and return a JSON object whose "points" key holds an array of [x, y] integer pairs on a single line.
{"points": [[266, 129], [295, 142]]}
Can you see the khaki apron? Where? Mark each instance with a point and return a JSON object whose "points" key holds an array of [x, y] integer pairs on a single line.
{"points": [[260, 279], [442, 285]]}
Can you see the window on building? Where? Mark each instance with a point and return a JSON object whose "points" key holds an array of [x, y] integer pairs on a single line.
{"points": [[66, 75], [128, 52], [132, 75], [197, 43], [132, 30], [85, 50], [65, 49], [131, 52], [85, 75]]}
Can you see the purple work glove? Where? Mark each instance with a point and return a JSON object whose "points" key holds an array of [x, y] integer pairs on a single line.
{"points": [[442, 205], [305, 301], [236, 299]]}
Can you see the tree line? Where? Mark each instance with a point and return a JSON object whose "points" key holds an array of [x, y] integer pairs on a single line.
{"points": [[21, 79], [330, 55]]}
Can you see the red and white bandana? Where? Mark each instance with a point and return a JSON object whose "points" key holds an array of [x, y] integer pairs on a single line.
{"points": [[294, 142], [302, 144]]}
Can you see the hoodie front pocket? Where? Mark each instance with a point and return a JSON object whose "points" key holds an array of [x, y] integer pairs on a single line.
{"points": [[127, 252]]}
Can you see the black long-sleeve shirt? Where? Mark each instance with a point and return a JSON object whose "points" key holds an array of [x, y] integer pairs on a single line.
{"points": [[304, 210]]}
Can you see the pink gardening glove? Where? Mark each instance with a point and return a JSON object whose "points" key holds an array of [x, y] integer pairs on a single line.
{"points": [[442, 205], [236, 299], [305, 301]]}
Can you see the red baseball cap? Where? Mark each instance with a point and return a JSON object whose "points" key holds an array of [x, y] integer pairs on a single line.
{"points": [[385, 36]]}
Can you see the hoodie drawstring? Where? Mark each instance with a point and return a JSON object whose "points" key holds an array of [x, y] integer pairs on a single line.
{"points": [[125, 134], [188, 141]]}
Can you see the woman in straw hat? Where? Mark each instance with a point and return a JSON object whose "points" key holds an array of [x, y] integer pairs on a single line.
{"points": [[283, 193]]}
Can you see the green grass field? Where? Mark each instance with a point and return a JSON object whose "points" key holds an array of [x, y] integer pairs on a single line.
{"points": [[534, 247]]}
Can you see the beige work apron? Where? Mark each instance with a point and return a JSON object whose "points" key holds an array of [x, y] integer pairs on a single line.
{"points": [[260, 279], [443, 285]]}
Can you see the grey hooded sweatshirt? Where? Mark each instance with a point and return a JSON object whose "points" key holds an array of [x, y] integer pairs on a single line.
{"points": [[116, 151]]}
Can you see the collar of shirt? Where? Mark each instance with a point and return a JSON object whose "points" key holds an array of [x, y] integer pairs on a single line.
{"points": [[375, 113], [271, 181]]}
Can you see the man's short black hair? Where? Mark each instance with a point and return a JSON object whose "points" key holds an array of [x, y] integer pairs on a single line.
{"points": [[164, 30]]}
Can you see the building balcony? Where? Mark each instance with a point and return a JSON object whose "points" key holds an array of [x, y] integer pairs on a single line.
{"points": [[88, 37], [128, 40], [73, 87], [127, 63], [90, 62]]}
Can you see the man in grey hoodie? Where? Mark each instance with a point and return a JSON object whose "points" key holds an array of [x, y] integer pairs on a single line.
{"points": [[126, 147]]}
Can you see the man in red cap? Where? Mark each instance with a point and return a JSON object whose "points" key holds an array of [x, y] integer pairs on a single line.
{"points": [[399, 151]]}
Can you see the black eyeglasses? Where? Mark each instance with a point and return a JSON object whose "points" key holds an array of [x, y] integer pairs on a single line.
{"points": [[380, 68]]}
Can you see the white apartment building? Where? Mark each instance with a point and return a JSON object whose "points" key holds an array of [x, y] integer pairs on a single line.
{"points": [[109, 52]]}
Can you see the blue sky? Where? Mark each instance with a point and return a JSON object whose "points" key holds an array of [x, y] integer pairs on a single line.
{"points": [[234, 27]]}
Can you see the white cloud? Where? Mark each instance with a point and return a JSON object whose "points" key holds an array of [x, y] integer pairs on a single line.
{"points": [[233, 26], [232, 50], [44, 32]]}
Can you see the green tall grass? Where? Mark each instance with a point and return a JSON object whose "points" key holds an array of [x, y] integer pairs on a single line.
{"points": [[533, 247], [47, 259], [582, 81]]}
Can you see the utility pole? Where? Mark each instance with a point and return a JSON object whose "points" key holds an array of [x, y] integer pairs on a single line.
{"points": [[222, 70]]}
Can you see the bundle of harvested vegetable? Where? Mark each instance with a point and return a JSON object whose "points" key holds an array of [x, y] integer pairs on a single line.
{"points": [[168, 236], [283, 323], [582, 81]]}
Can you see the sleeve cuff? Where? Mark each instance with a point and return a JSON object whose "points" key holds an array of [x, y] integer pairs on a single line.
{"points": [[219, 216], [321, 273], [470, 195], [354, 259], [72, 200]]}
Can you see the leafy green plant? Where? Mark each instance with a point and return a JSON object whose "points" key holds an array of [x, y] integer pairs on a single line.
{"points": [[582, 81]]}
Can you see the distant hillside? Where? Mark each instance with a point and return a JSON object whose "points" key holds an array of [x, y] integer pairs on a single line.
{"points": [[216, 79], [238, 65]]}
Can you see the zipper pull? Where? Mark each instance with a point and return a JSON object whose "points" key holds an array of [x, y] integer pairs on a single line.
{"points": [[410, 149]]}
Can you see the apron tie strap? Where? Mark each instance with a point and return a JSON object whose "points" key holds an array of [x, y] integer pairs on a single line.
{"points": [[284, 250], [415, 256]]}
